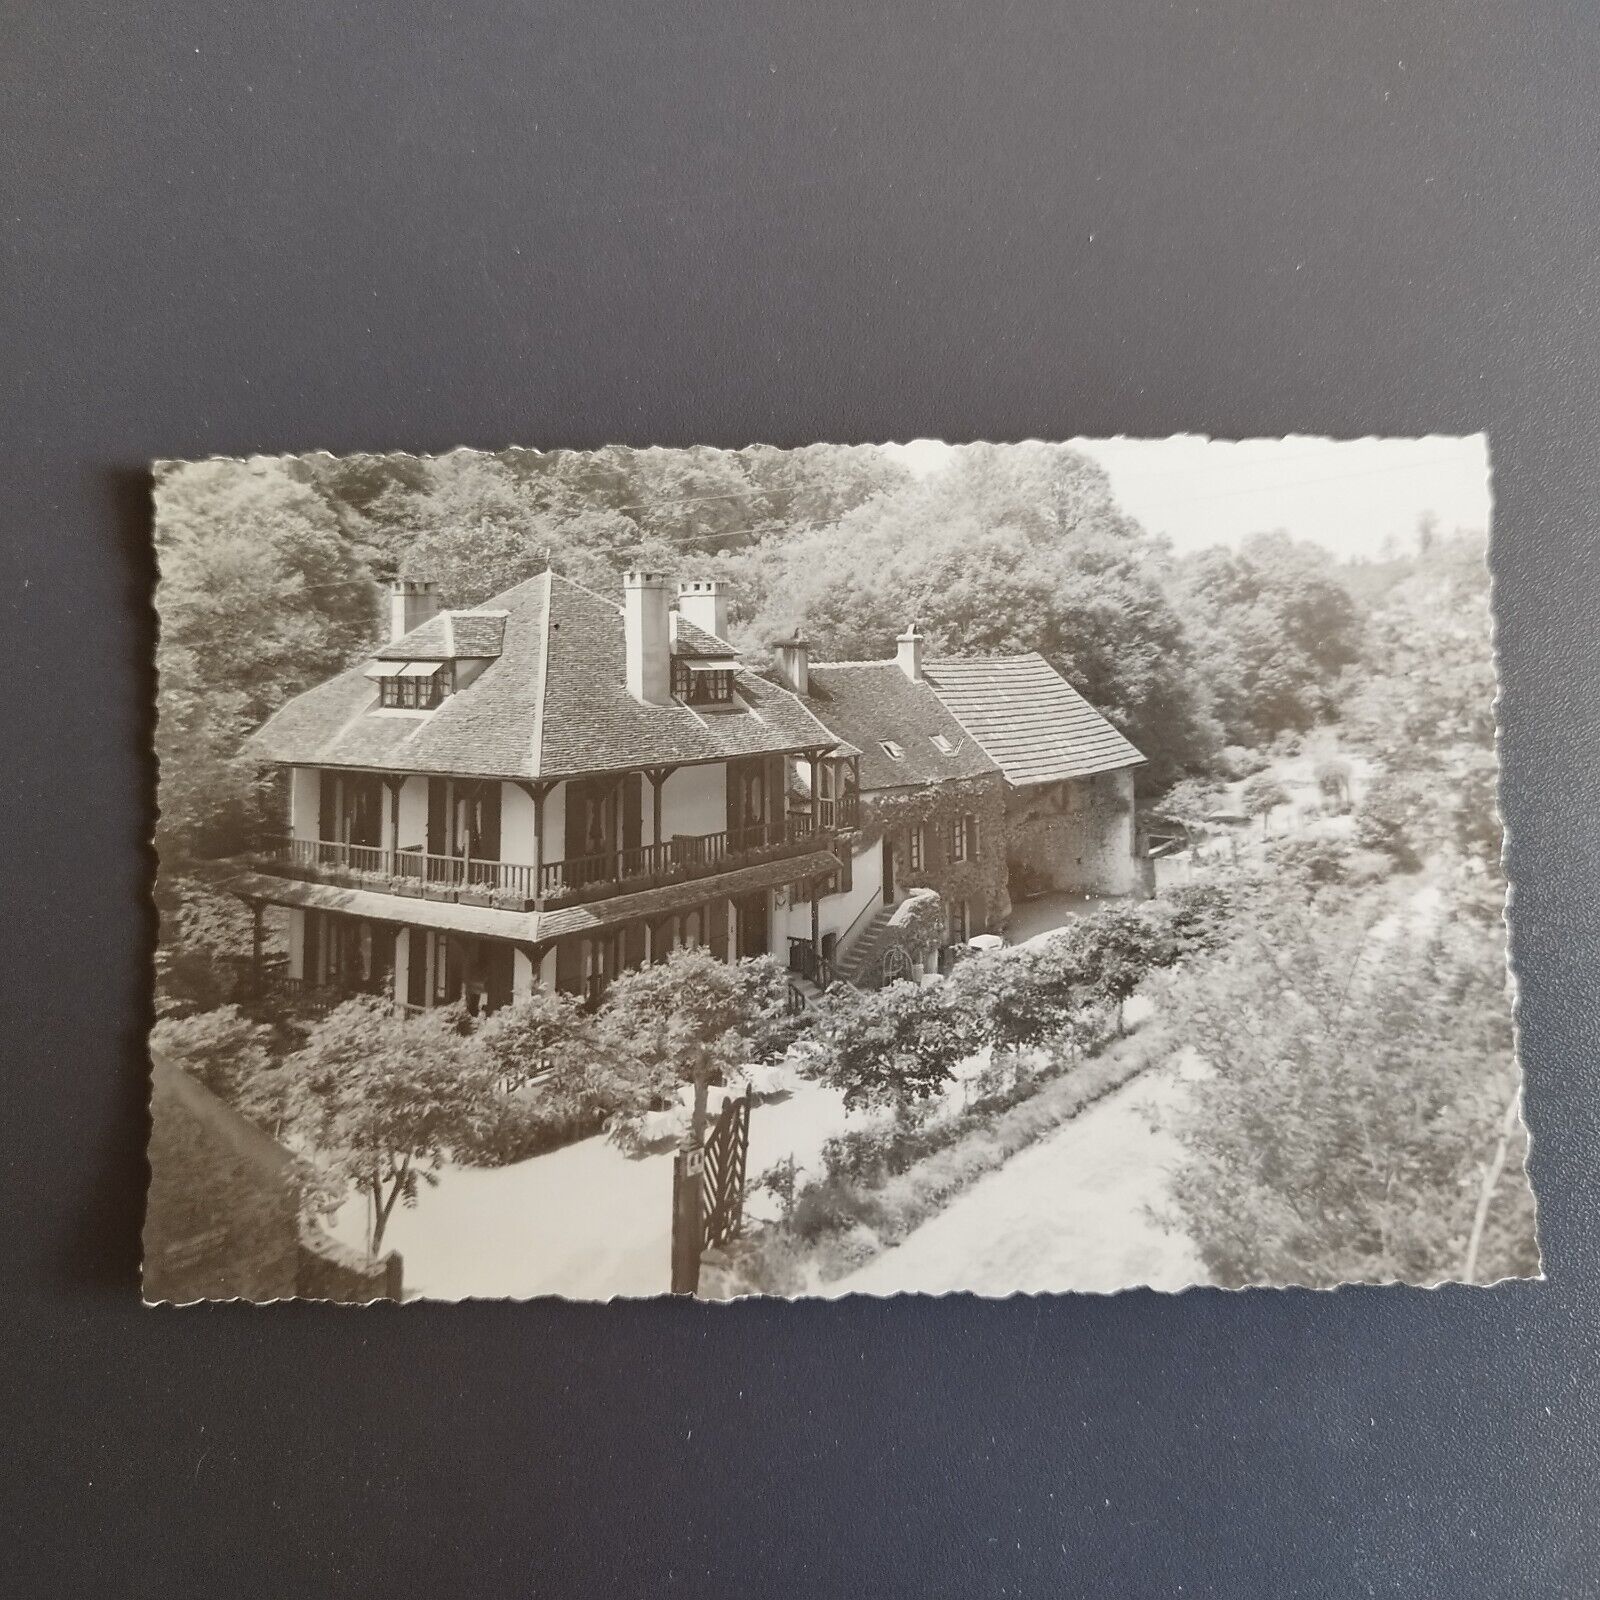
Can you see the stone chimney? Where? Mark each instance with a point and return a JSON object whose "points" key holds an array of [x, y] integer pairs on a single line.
{"points": [[909, 652], [794, 663], [705, 603], [411, 603], [646, 611]]}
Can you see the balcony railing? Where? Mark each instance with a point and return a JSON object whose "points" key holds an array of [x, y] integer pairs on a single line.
{"points": [[841, 814], [518, 886]]}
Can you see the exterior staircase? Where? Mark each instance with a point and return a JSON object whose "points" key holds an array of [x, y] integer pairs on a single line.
{"points": [[865, 948]]}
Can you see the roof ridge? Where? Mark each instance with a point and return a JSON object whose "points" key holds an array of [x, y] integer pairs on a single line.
{"points": [[980, 661], [886, 661], [536, 739]]}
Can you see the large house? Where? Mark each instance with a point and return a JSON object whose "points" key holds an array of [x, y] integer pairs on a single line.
{"points": [[550, 788]]}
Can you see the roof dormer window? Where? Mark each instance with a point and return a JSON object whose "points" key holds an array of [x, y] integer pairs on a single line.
{"points": [[942, 744], [893, 751], [702, 683], [411, 685]]}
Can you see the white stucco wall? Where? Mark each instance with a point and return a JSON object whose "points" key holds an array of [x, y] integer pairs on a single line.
{"points": [[305, 785], [413, 815], [837, 912], [517, 824], [693, 800]]}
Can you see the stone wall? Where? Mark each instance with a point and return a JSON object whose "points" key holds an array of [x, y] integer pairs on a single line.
{"points": [[1077, 836], [981, 883], [222, 1220], [223, 1216]]}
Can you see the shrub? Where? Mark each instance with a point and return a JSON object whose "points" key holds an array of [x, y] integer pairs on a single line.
{"points": [[1312, 862], [1262, 795], [1238, 762], [521, 1127], [1389, 819]]}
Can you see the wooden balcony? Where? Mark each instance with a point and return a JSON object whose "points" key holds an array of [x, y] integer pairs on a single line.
{"points": [[519, 887]]}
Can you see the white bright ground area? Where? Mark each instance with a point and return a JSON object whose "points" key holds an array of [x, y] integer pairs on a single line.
{"points": [[586, 1222], [1077, 1211]]}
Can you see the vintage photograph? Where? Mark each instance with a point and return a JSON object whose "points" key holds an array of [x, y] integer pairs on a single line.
{"points": [[854, 869]]}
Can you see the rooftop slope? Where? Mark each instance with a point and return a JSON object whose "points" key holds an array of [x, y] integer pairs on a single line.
{"points": [[1029, 719], [865, 703], [554, 703]]}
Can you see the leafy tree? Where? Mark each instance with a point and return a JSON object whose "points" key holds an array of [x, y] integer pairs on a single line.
{"points": [[203, 957], [688, 1019], [1117, 947], [1351, 1129], [538, 1034], [1427, 693], [261, 596], [1187, 804], [1276, 626], [382, 1099], [1333, 776], [224, 1049], [895, 1045], [1389, 818], [1262, 795], [1013, 549]]}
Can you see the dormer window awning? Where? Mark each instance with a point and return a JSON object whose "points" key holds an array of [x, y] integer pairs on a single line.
{"points": [[709, 666], [404, 669]]}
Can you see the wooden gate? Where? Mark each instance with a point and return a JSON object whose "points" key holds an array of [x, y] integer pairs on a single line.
{"points": [[708, 1192], [722, 1176]]}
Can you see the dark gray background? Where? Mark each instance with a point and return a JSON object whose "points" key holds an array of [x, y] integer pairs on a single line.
{"points": [[269, 227]]}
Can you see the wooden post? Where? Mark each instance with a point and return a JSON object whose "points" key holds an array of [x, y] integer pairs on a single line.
{"points": [[658, 781], [688, 1221]]}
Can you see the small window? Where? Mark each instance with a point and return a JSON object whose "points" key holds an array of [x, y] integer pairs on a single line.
{"points": [[699, 683], [893, 751], [918, 848], [964, 837], [942, 744], [960, 922], [417, 686]]}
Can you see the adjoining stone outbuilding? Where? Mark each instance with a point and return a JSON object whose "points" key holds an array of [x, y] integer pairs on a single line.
{"points": [[1068, 774]]}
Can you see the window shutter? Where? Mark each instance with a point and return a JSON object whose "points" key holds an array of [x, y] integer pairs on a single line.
{"points": [[487, 845], [972, 835], [437, 817], [327, 804]]}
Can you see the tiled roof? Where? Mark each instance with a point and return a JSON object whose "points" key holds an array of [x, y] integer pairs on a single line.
{"points": [[693, 641], [865, 703], [553, 704], [1035, 725], [450, 636]]}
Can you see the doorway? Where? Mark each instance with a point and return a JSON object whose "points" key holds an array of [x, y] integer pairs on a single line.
{"points": [[888, 870]]}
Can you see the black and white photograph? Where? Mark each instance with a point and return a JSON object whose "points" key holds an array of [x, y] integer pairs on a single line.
{"points": [[843, 870]]}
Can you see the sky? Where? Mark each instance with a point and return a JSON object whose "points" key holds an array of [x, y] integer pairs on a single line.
{"points": [[1347, 495]]}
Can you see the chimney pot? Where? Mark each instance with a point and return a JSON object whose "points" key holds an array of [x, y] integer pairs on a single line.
{"points": [[909, 652], [646, 620], [704, 601], [794, 662], [412, 601]]}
